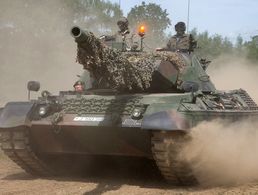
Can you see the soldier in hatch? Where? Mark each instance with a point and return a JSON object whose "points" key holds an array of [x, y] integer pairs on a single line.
{"points": [[79, 86], [123, 26], [123, 35], [180, 42], [123, 31]]}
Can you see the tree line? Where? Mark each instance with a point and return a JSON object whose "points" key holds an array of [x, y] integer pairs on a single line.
{"points": [[212, 46], [101, 17]]}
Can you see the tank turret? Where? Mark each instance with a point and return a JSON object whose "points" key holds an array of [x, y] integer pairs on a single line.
{"points": [[139, 71]]}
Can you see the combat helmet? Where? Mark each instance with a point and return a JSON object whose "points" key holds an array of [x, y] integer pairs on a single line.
{"points": [[123, 24], [180, 27], [123, 21]]}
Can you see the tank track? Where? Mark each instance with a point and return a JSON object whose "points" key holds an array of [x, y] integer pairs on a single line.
{"points": [[165, 148], [16, 145]]}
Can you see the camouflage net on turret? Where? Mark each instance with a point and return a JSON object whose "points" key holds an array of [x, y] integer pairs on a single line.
{"points": [[121, 70]]}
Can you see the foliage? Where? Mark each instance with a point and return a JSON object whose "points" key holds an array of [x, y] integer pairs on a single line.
{"points": [[154, 18], [252, 49], [212, 46], [98, 16]]}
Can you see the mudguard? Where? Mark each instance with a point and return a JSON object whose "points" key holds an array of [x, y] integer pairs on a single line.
{"points": [[15, 114], [166, 120]]}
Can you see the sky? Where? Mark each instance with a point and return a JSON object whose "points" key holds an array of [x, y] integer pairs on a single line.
{"points": [[225, 17]]}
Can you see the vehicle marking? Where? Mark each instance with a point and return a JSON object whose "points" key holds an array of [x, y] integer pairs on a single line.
{"points": [[131, 123], [88, 119]]}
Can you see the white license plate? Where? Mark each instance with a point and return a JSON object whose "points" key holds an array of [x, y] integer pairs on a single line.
{"points": [[88, 119]]}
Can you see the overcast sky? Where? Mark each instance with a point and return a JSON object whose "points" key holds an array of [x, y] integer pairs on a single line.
{"points": [[226, 17]]}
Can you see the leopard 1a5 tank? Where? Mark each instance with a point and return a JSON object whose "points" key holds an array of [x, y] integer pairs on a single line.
{"points": [[140, 104]]}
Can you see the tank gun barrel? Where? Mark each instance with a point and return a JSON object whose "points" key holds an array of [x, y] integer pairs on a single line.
{"points": [[78, 34]]}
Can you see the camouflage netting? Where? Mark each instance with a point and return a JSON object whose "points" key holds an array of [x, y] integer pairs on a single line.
{"points": [[121, 70]]}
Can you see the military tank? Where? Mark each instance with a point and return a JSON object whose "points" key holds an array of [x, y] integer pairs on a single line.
{"points": [[138, 104]]}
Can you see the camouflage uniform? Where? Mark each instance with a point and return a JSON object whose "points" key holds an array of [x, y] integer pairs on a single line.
{"points": [[181, 43]]}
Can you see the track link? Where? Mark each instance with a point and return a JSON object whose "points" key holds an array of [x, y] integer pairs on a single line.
{"points": [[166, 148], [16, 145]]}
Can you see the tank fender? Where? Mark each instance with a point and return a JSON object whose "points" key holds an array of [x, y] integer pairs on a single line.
{"points": [[15, 114], [166, 120]]}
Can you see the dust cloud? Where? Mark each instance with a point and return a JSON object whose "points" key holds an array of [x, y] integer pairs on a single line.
{"points": [[35, 44], [220, 152], [231, 72]]}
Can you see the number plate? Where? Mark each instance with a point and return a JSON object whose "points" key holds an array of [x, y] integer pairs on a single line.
{"points": [[88, 119]]}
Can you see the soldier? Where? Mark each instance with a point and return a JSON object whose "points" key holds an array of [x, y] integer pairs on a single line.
{"points": [[180, 42], [79, 86], [122, 24], [123, 36]]}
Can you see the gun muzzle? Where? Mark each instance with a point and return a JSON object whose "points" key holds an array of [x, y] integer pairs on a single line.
{"points": [[78, 34]]}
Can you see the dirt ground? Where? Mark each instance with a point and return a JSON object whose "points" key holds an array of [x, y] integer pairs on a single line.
{"points": [[14, 180]]}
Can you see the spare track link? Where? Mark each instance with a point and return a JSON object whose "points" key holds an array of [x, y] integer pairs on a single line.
{"points": [[165, 149], [16, 145]]}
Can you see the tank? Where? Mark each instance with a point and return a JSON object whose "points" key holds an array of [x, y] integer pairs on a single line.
{"points": [[137, 104]]}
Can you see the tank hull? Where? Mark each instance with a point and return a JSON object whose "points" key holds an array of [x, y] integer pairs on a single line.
{"points": [[150, 126], [104, 125]]}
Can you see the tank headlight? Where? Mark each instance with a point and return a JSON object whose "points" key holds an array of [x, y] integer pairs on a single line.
{"points": [[43, 110], [137, 113]]}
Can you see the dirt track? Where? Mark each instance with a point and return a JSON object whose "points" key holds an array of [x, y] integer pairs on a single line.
{"points": [[13, 180]]}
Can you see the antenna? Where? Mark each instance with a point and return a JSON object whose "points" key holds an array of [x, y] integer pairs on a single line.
{"points": [[119, 3], [188, 15]]}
